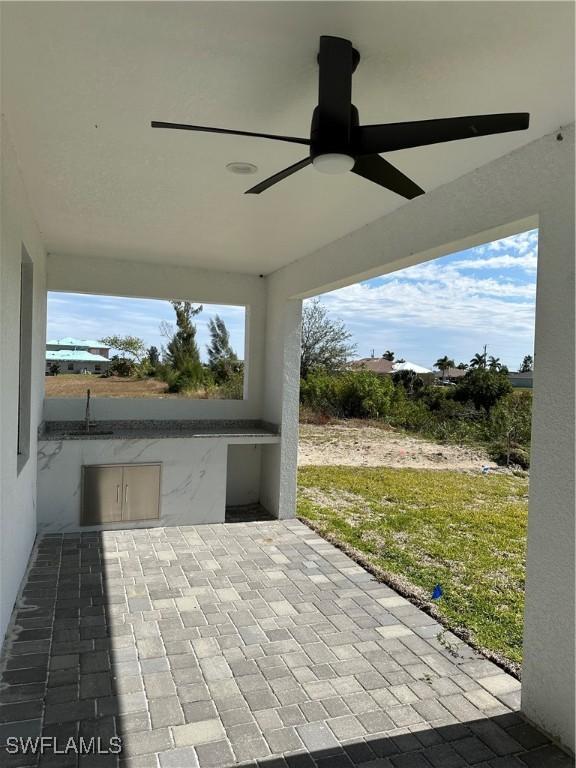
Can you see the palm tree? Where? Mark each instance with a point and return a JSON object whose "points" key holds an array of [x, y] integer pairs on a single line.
{"points": [[388, 355], [443, 364], [479, 360], [494, 363]]}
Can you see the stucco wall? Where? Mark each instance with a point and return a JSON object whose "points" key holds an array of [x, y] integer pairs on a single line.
{"points": [[17, 491], [143, 280], [243, 474]]}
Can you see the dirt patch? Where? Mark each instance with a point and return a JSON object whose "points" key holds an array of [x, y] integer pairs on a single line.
{"points": [[357, 445]]}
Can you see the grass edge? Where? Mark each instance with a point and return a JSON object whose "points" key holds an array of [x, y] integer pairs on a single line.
{"points": [[412, 594]]}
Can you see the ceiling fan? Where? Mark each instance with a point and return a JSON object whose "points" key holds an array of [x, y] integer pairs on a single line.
{"points": [[338, 143]]}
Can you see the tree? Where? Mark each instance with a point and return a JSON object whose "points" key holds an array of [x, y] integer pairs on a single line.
{"points": [[326, 343], [482, 387], [222, 359], [219, 346], [121, 366], [410, 380], [54, 369], [511, 421], [388, 355], [527, 364], [443, 364], [182, 351], [153, 356], [462, 366], [494, 363], [479, 360], [130, 346]]}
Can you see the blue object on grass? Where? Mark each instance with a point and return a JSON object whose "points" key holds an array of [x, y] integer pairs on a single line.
{"points": [[437, 592]]}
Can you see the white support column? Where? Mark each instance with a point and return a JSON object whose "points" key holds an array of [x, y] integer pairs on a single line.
{"points": [[496, 200], [548, 678], [280, 405]]}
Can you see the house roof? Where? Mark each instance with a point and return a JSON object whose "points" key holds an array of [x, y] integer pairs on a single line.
{"points": [[127, 191], [380, 365], [409, 366], [70, 341], [376, 364], [74, 355], [451, 373]]}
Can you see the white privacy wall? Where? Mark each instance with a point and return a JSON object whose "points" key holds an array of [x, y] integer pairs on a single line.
{"points": [[17, 491], [533, 186], [158, 281]]}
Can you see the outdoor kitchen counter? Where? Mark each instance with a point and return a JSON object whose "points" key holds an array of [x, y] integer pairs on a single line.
{"points": [[240, 431], [205, 466]]}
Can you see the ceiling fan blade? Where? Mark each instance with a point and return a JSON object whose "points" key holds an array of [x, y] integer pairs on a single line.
{"points": [[269, 182], [389, 137], [205, 129], [380, 171], [335, 91]]}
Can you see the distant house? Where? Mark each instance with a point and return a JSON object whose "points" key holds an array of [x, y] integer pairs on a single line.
{"points": [[374, 364], [77, 355], [521, 379], [385, 367], [450, 374]]}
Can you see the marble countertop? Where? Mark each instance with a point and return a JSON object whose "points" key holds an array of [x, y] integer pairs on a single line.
{"points": [[144, 430]]}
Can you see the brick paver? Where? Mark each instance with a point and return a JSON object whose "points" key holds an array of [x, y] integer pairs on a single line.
{"points": [[248, 643]]}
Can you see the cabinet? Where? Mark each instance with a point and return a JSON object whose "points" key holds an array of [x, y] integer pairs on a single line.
{"points": [[114, 493]]}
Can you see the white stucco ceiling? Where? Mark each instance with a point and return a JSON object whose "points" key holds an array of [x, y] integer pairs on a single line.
{"points": [[81, 82]]}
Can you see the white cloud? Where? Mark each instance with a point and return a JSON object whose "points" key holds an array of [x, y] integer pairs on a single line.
{"points": [[527, 262], [520, 243], [445, 302]]}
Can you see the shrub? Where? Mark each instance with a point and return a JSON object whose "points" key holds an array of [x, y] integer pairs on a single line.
{"points": [[509, 427], [187, 379], [121, 366], [482, 387], [310, 416], [505, 455], [511, 418], [350, 394], [233, 387]]}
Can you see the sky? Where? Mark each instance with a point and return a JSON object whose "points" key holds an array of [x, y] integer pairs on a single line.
{"points": [[450, 306], [94, 317]]}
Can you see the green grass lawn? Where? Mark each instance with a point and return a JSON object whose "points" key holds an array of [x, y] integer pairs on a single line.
{"points": [[466, 532]]}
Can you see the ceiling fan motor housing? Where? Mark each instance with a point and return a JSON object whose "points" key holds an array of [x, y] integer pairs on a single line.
{"points": [[323, 142]]}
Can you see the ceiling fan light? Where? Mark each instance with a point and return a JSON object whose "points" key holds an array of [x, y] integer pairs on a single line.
{"points": [[333, 162]]}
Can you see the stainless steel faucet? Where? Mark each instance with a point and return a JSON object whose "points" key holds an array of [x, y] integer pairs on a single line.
{"points": [[87, 411]]}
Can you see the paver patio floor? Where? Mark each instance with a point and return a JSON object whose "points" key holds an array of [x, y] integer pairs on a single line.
{"points": [[250, 643]]}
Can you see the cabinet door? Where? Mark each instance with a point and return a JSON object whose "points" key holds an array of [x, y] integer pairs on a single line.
{"points": [[141, 493], [102, 495]]}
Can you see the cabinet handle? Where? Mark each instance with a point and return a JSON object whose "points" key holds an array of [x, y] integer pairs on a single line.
{"points": [[117, 494], [125, 494]]}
